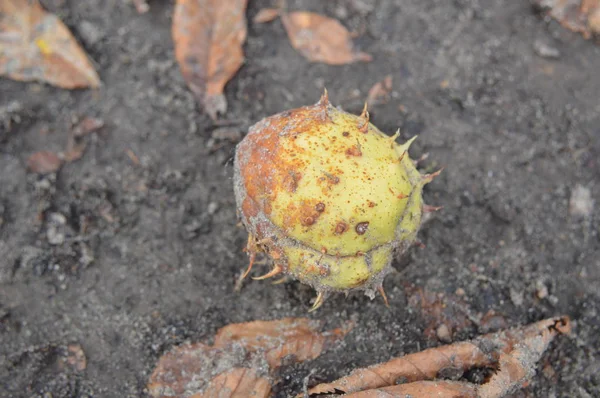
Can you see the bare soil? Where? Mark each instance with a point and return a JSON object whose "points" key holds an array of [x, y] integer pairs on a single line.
{"points": [[136, 247]]}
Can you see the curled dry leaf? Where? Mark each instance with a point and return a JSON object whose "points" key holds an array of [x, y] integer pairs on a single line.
{"points": [[518, 365], [515, 351], [36, 45], [380, 91], [321, 39], [244, 353], [208, 38], [581, 16], [422, 389], [44, 162]]}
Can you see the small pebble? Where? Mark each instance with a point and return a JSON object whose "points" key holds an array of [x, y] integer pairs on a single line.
{"points": [[516, 296], [545, 51], [443, 333], [541, 290], [581, 203], [55, 232], [89, 33], [212, 208]]}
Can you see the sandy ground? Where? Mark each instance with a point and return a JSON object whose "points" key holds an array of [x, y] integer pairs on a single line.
{"points": [[130, 259]]}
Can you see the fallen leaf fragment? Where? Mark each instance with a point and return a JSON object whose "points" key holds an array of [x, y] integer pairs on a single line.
{"points": [[422, 389], [75, 143], [237, 383], [516, 351], [44, 162], [266, 15], [581, 16], [241, 359], [299, 337], [519, 364], [36, 45], [182, 369], [76, 357], [208, 36], [321, 39], [380, 91]]}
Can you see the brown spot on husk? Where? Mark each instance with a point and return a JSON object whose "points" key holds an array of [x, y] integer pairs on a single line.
{"points": [[341, 227], [362, 227], [308, 221], [291, 181], [249, 208], [265, 167], [353, 151]]}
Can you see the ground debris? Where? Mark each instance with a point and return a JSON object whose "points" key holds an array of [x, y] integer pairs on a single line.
{"points": [[75, 143], [513, 352], [36, 45], [44, 162], [445, 314], [141, 6], [75, 357], [208, 38], [243, 355], [381, 91], [321, 39], [581, 16]]}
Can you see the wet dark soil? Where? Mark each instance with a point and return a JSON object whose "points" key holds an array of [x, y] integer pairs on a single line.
{"points": [[136, 247]]}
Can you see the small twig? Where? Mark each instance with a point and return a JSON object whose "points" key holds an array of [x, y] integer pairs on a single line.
{"points": [[306, 381]]}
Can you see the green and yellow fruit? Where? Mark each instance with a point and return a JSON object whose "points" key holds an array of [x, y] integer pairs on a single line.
{"points": [[328, 197]]}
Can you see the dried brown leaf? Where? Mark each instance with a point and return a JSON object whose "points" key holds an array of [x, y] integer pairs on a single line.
{"points": [[581, 16], [321, 39], [237, 383], [208, 38], [240, 360], [44, 162], [182, 370], [514, 346], [380, 91], [36, 45], [519, 364], [422, 389], [266, 15], [279, 339]]}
